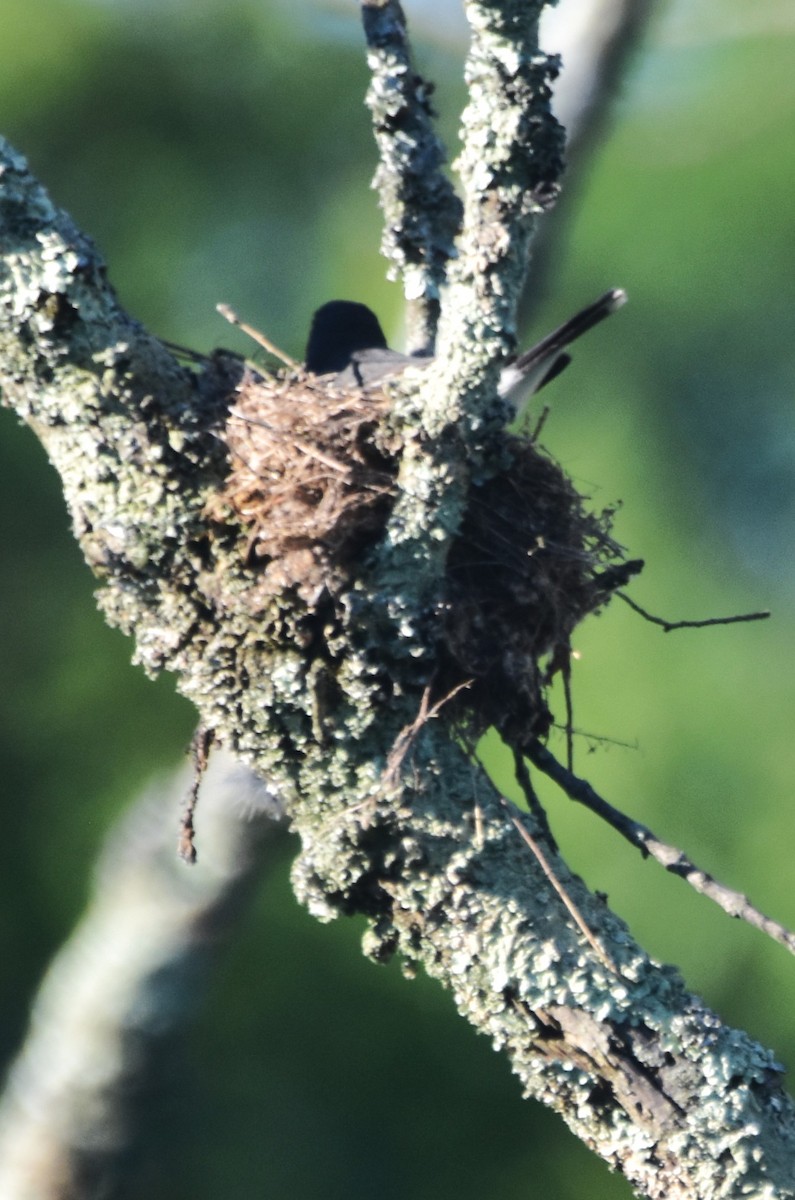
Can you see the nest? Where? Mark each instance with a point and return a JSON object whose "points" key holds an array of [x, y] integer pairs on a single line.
{"points": [[313, 473], [309, 478], [530, 562]]}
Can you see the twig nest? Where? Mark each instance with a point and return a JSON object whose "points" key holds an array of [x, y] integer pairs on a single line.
{"points": [[313, 476], [529, 563]]}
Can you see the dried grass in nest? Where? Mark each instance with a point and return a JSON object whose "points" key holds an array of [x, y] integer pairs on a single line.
{"points": [[313, 476], [309, 479]]}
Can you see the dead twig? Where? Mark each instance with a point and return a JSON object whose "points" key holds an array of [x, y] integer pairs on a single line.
{"points": [[668, 626], [540, 423], [568, 903], [535, 806], [671, 857], [200, 747], [408, 733], [231, 316]]}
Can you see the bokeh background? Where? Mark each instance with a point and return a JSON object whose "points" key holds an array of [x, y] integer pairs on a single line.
{"points": [[221, 151]]}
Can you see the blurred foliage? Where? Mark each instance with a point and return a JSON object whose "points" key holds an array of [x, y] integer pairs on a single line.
{"points": [[222, 152]]}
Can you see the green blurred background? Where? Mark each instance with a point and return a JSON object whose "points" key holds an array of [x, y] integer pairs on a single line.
{"points": [[221, 151]]}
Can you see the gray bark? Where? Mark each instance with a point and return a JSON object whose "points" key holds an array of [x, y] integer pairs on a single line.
{"points": [[117, 997], [394, 822]]}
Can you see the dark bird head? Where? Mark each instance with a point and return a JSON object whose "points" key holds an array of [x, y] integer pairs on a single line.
{"points": [[346, 340], [339, 329]]}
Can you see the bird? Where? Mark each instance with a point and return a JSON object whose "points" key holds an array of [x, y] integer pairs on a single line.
{"points": [[346, 340]]}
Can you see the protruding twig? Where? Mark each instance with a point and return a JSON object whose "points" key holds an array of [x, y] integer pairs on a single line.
{"points": [[671, 857], [200, 747], [540, 423], [668, 626], [231, 316], [185, 352], [533, 803], [568, 903], [405, 739]]}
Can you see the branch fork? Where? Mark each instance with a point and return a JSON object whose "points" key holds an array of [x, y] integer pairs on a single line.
{"points": [[315, 694]]}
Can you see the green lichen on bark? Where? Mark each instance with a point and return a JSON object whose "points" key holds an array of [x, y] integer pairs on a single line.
{"points": [[510, 167], [385, 804]]}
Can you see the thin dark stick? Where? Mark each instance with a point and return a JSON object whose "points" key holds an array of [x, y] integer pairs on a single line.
{"points": [[540, 423], [533, 803], [667, 626], [671, 857], [200, 747], [565, 672], [184, 351]]}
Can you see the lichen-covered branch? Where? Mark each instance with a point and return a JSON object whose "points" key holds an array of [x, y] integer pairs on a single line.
{"points": [[421, 210], [638, 1068], [510, 166], [121, 992]]}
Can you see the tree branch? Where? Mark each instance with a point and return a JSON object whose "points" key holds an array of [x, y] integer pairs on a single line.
{"points": [[121, 992], [510, 166], [597, 40], [421, 210], [671, 857], [314, 688]]}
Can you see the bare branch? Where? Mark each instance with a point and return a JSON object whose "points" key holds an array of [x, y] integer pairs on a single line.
{"points": [[596, 40], [669, 626], [671, 857], [314, 685]]}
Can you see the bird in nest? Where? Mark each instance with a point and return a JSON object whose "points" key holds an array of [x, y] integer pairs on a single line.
{"points": [[347, 341]]}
